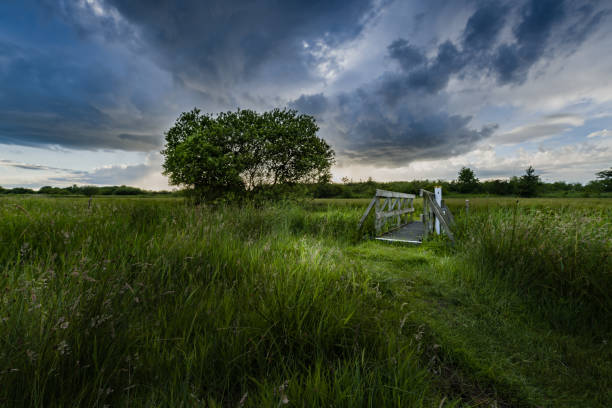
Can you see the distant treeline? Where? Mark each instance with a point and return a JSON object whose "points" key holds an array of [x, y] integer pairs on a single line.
{"points": [[86, 191], [511, 187], [357, 189], [528, 185]]}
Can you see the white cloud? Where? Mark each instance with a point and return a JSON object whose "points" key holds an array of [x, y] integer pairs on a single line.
{"points": [[600, 133], [145, 175], [579, 83], [582, 77], [547, 127], [573, 163]]}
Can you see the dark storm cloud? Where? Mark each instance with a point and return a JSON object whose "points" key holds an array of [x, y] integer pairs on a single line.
{"points": [[540, 28], [538, 18], [403, 138], [400, 117], [310, 104], [372, 130], [214, 44], [94, 89], [72, 81], [435, 76], [55, 99], [483, 27], [419, 73], [406, 54], [545, 27], [586, 19]]}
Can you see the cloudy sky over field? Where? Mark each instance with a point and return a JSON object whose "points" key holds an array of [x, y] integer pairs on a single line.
{"points": [[401, 89]]}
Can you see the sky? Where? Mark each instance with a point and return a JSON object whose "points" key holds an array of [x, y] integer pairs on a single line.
{"points": [[400, 89]]}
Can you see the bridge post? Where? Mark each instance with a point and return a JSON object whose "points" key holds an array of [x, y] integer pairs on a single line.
{"points": [[438, 196]]}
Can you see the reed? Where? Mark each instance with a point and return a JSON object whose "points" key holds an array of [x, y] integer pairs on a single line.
{"points": [[154, 302], [560, 258]]}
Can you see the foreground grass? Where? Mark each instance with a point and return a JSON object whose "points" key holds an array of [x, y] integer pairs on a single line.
{"points": [[488, 342], [152, 302]]}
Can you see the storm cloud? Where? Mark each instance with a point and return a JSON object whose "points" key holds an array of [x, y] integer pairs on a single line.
{"points": [[390, 82], [369, 129], [131, 68], [72, 100], [217, 44], [401, 116]]}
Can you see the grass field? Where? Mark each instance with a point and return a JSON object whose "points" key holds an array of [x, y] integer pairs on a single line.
{"points": [[154, 302]]}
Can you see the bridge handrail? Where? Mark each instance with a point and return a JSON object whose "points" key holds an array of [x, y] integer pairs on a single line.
{"points": [[442, 213], [387, 208], [394, 194]]}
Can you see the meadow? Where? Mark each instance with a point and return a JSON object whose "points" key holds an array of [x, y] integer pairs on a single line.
{"points": [[157, 302]]}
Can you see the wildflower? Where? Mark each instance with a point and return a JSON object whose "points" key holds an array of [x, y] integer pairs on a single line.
{"points": [[281, 390], [63, 347], [24, 249]]}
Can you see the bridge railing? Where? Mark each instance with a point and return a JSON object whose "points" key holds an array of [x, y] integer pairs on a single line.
{"points": [[433, 211], [392, 209]]}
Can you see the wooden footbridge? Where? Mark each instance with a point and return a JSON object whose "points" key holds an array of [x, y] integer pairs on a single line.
{"points": [[394, 213]]}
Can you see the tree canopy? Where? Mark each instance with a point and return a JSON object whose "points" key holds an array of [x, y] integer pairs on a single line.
{"points": [[605, 178], [467, 181], [529, 183], [245, 150]]}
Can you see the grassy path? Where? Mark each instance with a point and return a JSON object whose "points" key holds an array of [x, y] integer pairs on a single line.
{"points": [[486, 344]]}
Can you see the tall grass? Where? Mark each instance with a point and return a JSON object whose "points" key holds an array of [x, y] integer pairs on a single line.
{"points": [[559, 257], [151, 302]]}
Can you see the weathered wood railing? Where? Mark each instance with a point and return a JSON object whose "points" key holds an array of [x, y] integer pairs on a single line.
{"points": [[433, 211], [390, 206]]}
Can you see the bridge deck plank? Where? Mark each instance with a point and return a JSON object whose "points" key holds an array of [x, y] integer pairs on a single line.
{"points": [[412, 233]]}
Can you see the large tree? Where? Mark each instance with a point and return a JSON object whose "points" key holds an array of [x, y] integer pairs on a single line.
{"points": [[244, 150]]}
